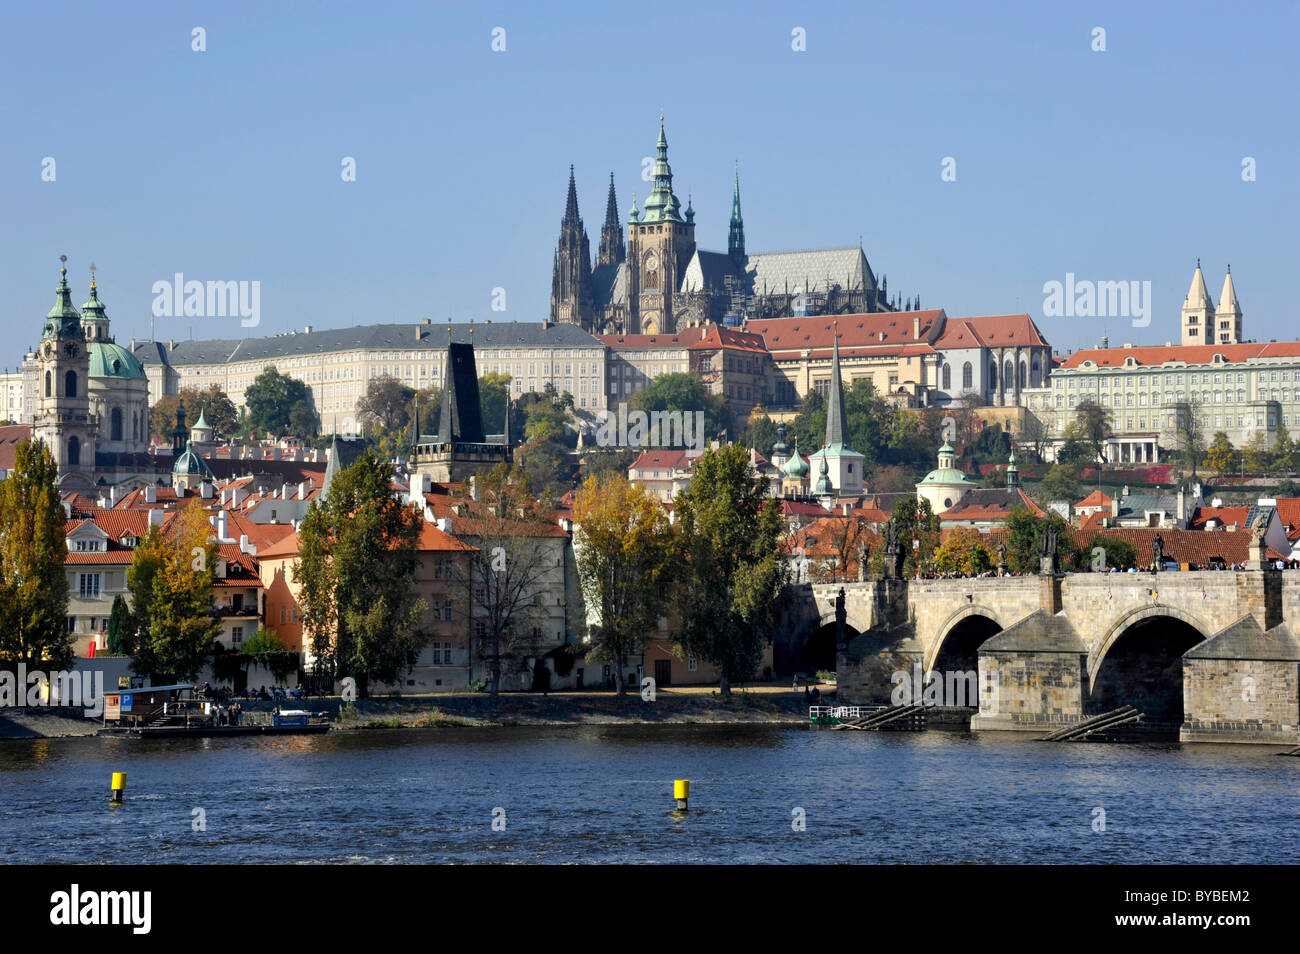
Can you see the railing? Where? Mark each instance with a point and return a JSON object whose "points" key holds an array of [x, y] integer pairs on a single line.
{"points": [[841, 712]]}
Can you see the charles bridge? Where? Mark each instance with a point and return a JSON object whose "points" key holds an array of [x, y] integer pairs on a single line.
{"points": [[1206, 653]]}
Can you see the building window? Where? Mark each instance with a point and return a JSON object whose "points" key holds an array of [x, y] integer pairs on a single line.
{"points": [[89, 584], [236, 635]]}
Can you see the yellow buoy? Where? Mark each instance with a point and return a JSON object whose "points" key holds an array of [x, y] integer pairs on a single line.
{"points": [[118, 785], [682, 792]]}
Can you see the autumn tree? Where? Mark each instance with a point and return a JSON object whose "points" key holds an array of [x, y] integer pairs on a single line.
{"points": [[963, 552], [519, 547], [33, 549], [625, 549], [731, 572], [1189, 435], [1091, 427], [1222, 457], [687, 393], [170, 580], [357, 565], [385, 405]]}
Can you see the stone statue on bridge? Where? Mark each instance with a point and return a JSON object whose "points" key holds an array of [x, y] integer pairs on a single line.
{"points": [[1047, 550], [1157, 553], [893, 552], [841, 616], [864, 554], [1002, 556]]}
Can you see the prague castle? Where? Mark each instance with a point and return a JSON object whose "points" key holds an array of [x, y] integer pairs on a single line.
{"points": [[661, 281]]}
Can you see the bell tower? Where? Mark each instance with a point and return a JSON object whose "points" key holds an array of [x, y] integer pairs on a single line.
{"points": [[660, 243], [63, 419]]}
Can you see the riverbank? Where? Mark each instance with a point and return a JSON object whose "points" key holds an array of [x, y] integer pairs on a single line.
{"points": [[763, 703]]}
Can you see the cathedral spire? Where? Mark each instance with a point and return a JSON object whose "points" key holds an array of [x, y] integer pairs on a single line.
{"points": [[836, 426], [736, 235], [661, 205], [571, 203], [612, 249], [572, 295], [63, 321]]}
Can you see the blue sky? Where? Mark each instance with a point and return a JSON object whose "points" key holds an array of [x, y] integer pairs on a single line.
{"points": [[225, 164]]}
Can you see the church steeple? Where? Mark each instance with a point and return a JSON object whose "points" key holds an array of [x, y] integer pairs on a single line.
{"points": [[1229, 312], [612, 249], [572, 298], [661, 205], [736, 234], [1198, 311], [836, 426]]}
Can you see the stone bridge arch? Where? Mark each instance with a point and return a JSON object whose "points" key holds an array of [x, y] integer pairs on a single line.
{"points": [[1131, 618], [942, 631]]}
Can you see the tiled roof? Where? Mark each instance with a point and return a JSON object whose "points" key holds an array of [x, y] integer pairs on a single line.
{"points": [[1185, 546], [1288, 511], [1186, 354], [11, 435], [991, 503], [1226, 517], [797, 335], [715, 336], [629, 342], [991, 331], [1095, 499], [431, 337]]}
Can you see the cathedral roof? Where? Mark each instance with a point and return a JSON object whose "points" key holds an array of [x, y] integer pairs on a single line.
{"points": [[191, 464], [812, 270], [990, 331], [609, 284]]}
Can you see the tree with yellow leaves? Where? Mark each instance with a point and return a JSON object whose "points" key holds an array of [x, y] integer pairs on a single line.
{"points": [[624, 548], [171, 574]]}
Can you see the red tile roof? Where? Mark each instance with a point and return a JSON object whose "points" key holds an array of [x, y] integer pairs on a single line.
{"points": [[870, 334], [1187, 354], [11, 435], [991, 331], [1184, 546], [715, 336], [1226, 516], [1095, 499], [1288, 511]]}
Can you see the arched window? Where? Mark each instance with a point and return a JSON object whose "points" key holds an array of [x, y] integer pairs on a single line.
{"points": [[967, 377], [1008, 375], [993, 376], [115, 424], [49, 384], [1036, 375], [947, 377], [74, 450], [70, 384], [1024, 374]]}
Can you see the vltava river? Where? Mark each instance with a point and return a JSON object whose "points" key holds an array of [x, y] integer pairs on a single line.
{"points": [[604, 794]]}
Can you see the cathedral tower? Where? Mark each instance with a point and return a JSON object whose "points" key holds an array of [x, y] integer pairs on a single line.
{"points": [[571, 292], [1228, 314], [612, 249], [736, 234], [63, 419], [1198, 312], [660, 243]]}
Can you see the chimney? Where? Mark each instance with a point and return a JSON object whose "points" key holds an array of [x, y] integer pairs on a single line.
{"points": [[1114, 506], [444, 524], [245, 546], [916, 327], [302, 491], [151, 494], [221, 526], [206, 490], [171, 344], [112, 495], [306, 329], [156, 518]]}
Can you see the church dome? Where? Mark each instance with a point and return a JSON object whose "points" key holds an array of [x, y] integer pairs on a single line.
{"points": [[190, 464], [109, 360], [796, 466]]}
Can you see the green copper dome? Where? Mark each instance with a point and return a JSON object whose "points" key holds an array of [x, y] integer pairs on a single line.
{"points": [[109, 360], [190, 464], [796, 466]]}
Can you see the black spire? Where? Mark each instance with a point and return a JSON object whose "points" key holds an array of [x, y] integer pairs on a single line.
{"points": [[612, 250], [736, 234], [571, 204], [572, 297]]}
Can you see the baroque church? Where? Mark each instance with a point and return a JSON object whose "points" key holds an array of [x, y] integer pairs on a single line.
{"points": [[661, 282], [92, 407]]}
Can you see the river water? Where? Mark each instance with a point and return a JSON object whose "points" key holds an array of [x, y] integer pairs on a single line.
{"points": [[604, 794]]}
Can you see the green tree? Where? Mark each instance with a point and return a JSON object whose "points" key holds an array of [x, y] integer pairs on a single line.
{"points": [[1189, 434], [625, 552], [119, 626], [357, 565], [386, 405], [1256, 454], [267, 650], [730, 570], [1282, 459], [171, 578], [493, 392], [688, 394], [1061, 482], [963, 552], [1091, 427], [1116, 552], [760, 433], [33, 548], [1024, 540], [218, 411], [915, 522], [278, 404]]}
